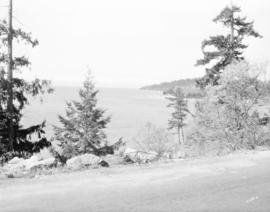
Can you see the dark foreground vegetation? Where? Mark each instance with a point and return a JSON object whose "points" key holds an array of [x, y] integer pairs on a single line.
{"points": [[14, 92]]}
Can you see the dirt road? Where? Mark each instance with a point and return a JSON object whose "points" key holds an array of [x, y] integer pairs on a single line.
{"points": [[231, 183]]}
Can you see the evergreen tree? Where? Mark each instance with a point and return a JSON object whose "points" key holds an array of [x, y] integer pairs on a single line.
{"points": [[227, 47], [180, 107], [82, 130], [21, 90]]}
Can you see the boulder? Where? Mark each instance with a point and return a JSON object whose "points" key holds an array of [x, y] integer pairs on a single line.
{"points": [[133, 155], [180, 154], [19, 166], [74, 163], [29, 163], [15, 169], [89, 159], [15, 160], [130, 155], [146, 157], [113, 159], [85, 160], [42, 164]]}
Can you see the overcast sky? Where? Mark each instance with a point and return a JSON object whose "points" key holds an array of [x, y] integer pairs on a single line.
{"points": [[128, 43]]}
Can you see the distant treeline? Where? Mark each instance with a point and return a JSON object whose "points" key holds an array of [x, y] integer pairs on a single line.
{"points": [[188, 86]]}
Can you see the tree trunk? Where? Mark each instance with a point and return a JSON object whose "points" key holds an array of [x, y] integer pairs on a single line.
{"points": [[183, 136], [10, 80], [179, 135], [183, 141]]}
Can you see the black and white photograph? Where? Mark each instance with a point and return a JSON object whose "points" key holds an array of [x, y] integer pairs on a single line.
{"points": [[134, 106]]}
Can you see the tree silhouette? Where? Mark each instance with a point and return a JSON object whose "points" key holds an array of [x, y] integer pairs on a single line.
{"points": [[227, 47], [21, 91]]}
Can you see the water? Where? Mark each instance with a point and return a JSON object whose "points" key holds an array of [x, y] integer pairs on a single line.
{"points": [[130, 109]]}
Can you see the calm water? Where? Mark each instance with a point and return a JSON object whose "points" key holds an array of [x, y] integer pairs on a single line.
{"points": [[130, 109]]}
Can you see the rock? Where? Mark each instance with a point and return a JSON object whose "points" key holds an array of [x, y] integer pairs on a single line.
{"points": [[129, 151], [32, 161], [42, 164], [19, 166], [83, 161], [180, 154], [132, 155], [146, 157], [27, 164], [113, 159], [89, 159], [127, 159], [14, 169], [15, 160], [103, 163], [10, 175], [74, 163]]}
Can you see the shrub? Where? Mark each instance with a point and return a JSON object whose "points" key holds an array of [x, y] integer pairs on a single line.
{"points": [[228, 118], [154, 139]]}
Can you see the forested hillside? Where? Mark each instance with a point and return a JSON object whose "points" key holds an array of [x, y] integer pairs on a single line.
{"points": [[169, 85], [187, 85]]}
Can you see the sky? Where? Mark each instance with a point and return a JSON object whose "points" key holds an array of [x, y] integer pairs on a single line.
{"points": [[127, 43]]}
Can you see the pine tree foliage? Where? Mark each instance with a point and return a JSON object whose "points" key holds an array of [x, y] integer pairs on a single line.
{"points": [[179, 104], [82, 130], [228, 47], [21, 90]]}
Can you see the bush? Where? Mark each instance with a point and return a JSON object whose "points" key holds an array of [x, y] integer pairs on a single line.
{"points": [[228, 117], [153, 139]]}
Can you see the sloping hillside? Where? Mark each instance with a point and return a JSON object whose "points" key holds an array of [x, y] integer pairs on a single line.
{"points": [[169, 85], [188, 86]]}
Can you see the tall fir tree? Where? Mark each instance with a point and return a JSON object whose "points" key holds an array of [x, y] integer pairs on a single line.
{"points": [[228, 47], [179, 104], [84, 124], [22, 89]]}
